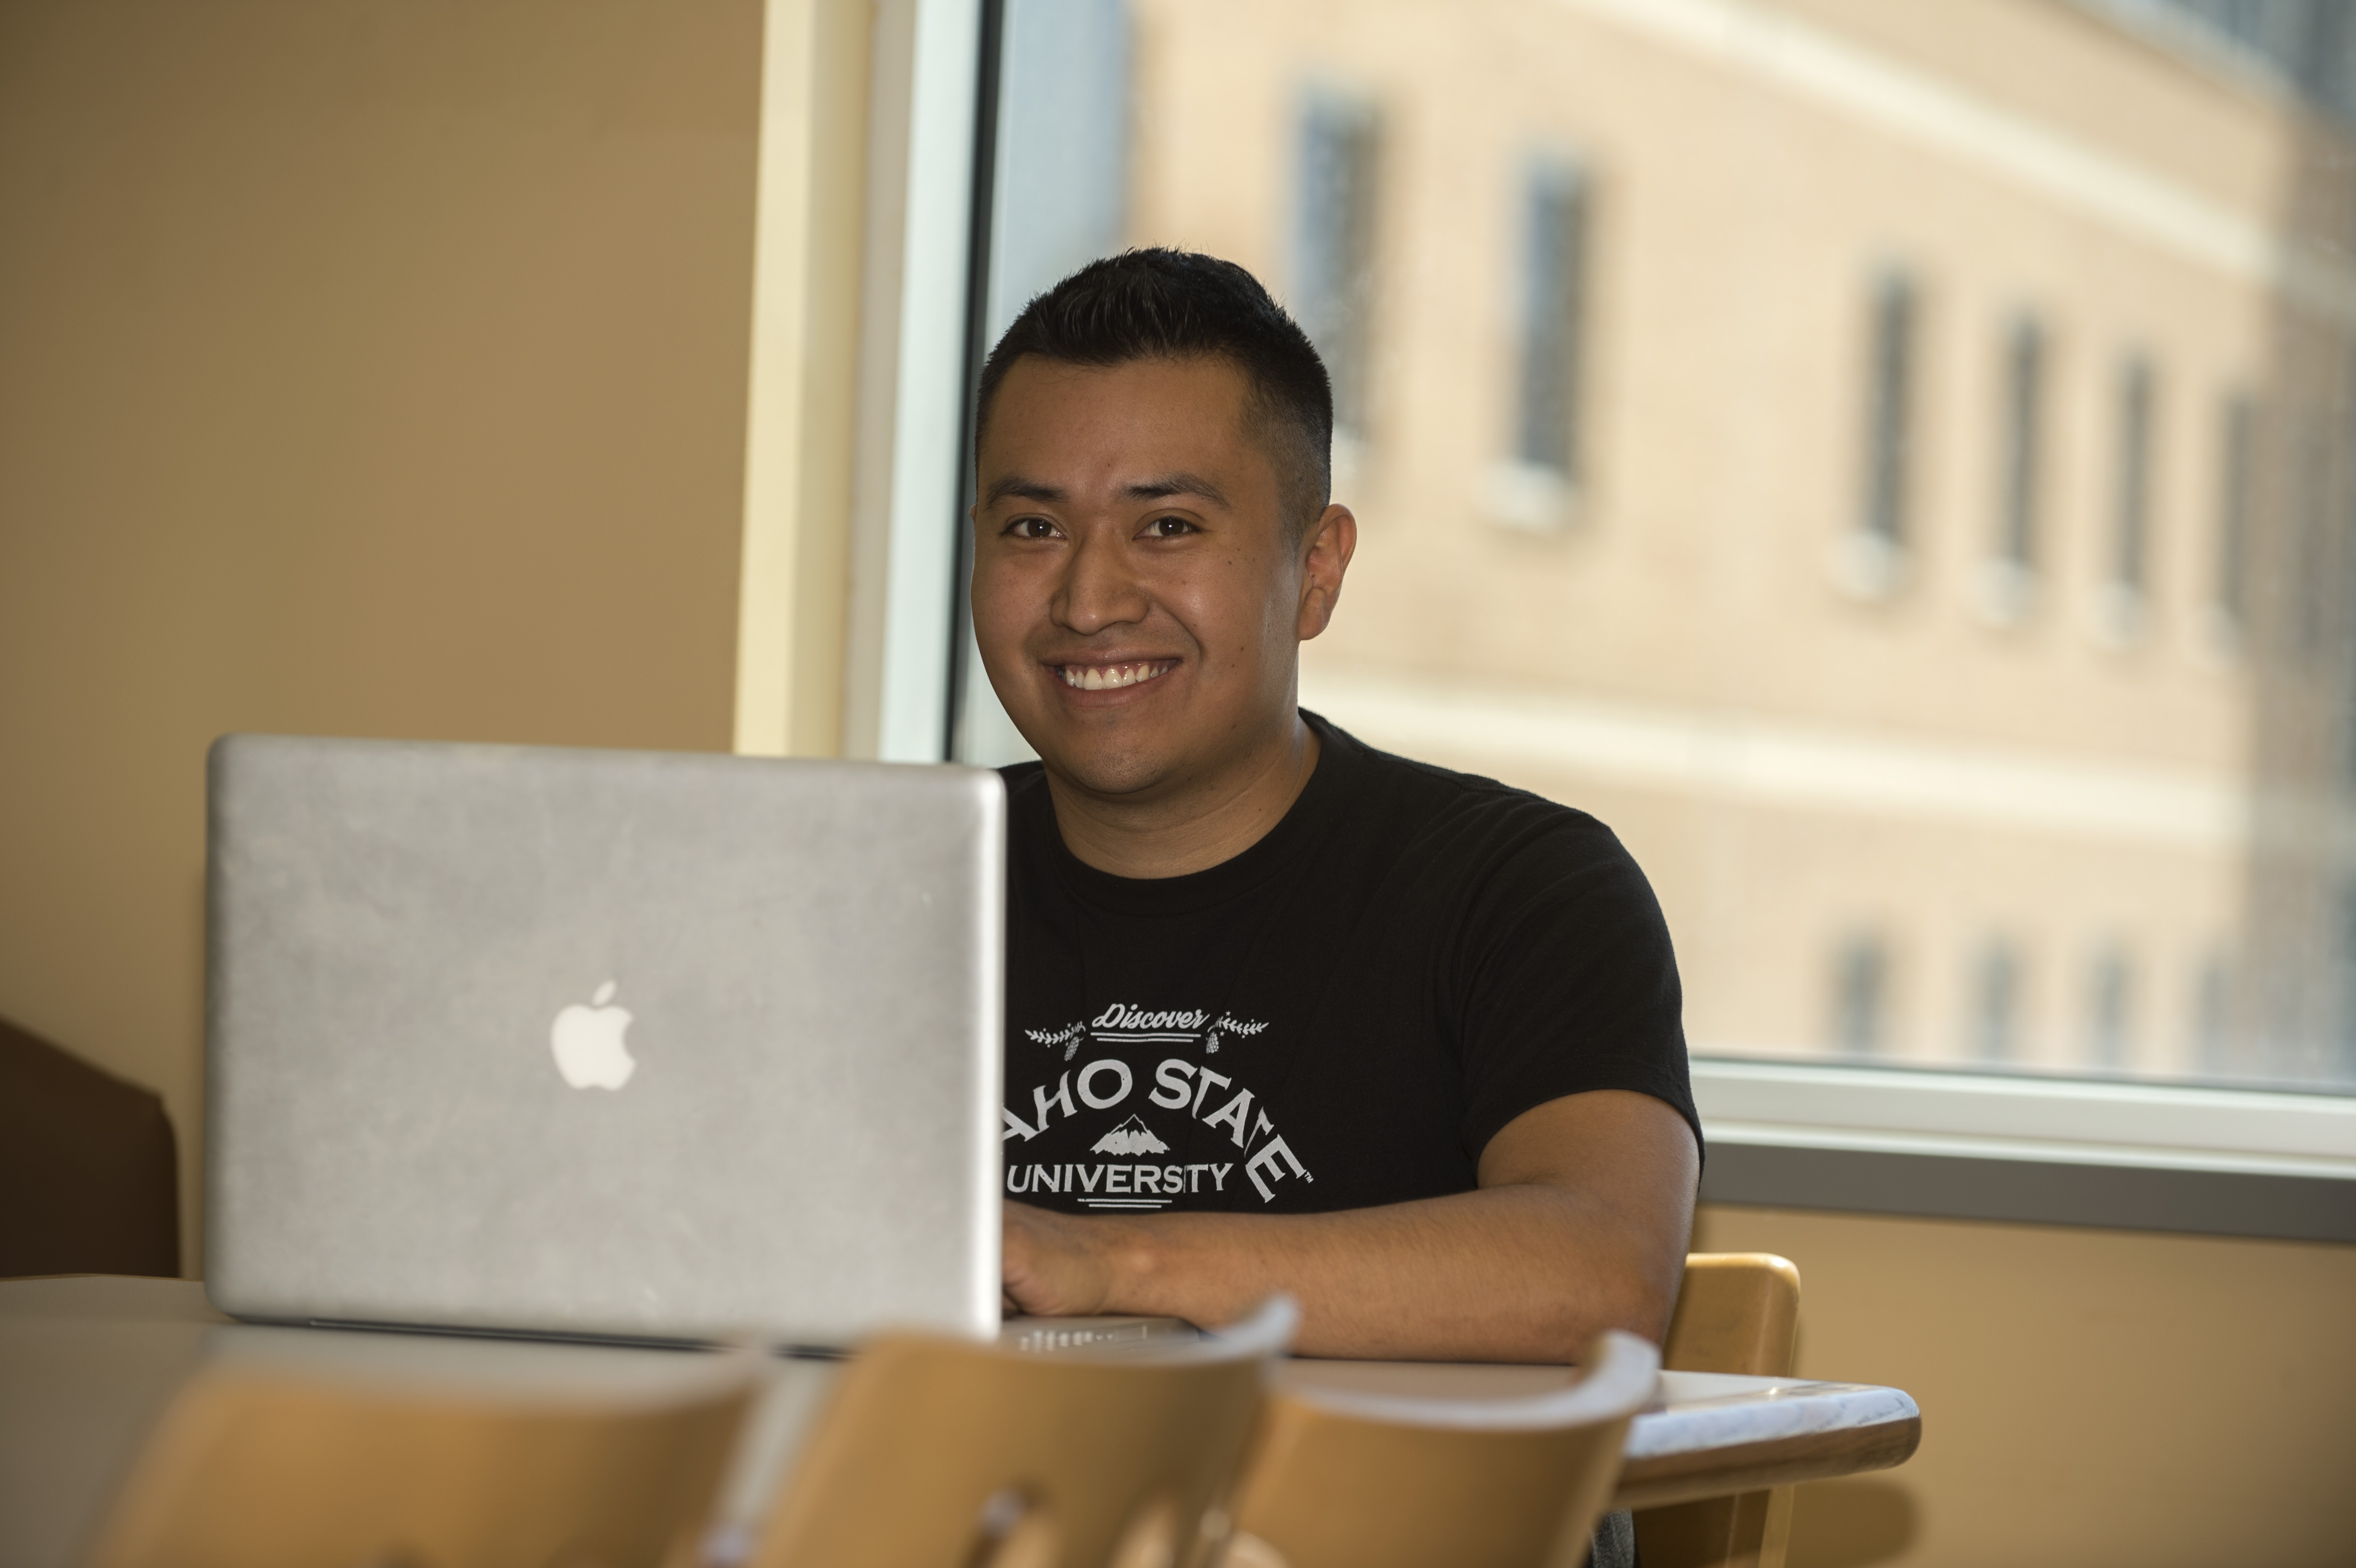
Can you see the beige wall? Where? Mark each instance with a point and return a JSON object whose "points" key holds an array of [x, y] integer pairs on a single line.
{"points": [[365, 368], [2089, 1397]]}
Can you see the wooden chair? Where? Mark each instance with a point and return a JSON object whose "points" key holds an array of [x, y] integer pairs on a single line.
{"points": [[1353, 1480], [1737, 1312], [939, 1454], [256, 1469]]}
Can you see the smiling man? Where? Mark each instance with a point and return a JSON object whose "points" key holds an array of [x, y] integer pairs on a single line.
{"points": [[1284, 1012]]}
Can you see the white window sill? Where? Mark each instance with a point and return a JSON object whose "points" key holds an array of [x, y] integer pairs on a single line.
{"points": [[1968, 1145], [1529, 498], [1869, 566], [2005, 593], [1996, 1117]]}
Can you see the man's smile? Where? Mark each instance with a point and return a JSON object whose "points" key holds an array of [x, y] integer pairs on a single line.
{"points": [[1113, 677]]}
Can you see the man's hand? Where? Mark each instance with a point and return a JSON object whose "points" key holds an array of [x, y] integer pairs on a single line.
{"points": [[1057, 1265], [1580, 1224]]}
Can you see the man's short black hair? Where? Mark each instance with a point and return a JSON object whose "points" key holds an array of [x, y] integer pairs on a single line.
{"points": [[1160, 304]]}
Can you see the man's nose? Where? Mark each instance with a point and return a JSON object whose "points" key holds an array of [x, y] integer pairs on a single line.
{"points": [[1100, 588]]}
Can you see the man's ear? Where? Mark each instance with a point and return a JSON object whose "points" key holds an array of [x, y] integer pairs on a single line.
{"points": [[1331, 543]]}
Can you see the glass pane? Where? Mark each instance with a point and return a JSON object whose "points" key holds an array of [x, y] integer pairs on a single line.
{"points": [[1060, 186], [1896, 465]]}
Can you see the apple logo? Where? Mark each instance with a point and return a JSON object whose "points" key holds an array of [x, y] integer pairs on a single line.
{"points": [[588, 1043]]}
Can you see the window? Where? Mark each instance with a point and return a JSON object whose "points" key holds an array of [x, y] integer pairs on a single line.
{"points": [[1925, 883], [2110, 998], [1996, 1002], [1061, 155], [2345, 1020], [2236, 464], [2009, 581], [2310, 502], [1861, 995], [2341, 532], [1059, 162], [1874, 558], [2123, 603], [1553, 279], [2213, 1015], [1538, 488], [1334, 247]]}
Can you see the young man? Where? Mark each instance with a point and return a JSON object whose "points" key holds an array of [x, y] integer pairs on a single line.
{"points": [[1284, 1013]]}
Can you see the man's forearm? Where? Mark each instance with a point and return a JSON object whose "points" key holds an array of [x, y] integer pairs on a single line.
{"points": [[1580, 1225], [1524, 1273]]}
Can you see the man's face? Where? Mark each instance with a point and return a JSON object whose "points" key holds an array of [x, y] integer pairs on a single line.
{"points": [[1137, 598]]}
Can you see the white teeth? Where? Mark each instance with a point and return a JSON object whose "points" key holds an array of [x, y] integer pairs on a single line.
{"points": [[1112, 677]]}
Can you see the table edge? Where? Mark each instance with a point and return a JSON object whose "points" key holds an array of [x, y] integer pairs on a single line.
{"points": [[1692, 1476]]}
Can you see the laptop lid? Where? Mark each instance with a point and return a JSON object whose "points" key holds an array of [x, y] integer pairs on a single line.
{"points": [[602, 1043]]}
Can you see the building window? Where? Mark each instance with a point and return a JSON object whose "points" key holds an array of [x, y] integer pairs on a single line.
{"points": [[2125, 596], [1890, 413], [1873, 557], [2011, 573], [2110, 998], [1553, 284], [1334, 247], [1538, 488], [2310, 523], [2024, 410], [1861, 995], [2344, 1069], [2008, 583], [2236, 471], [2213, 1015], [2343, 508], [1996, 1002]]}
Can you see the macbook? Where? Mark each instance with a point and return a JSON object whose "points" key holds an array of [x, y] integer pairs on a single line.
{"points": [[602, 1043]]}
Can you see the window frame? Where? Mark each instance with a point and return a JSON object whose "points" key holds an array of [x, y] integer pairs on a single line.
{"points": [[2008, 1145]]}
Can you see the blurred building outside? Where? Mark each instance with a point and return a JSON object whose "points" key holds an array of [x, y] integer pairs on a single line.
{"points": [[1895, 464]]}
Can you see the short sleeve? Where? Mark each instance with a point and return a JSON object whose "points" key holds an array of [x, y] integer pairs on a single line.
{"points": [[1563, 979]]}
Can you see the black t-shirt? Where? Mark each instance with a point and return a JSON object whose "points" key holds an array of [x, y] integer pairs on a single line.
{"points": [[1343, 1015]]}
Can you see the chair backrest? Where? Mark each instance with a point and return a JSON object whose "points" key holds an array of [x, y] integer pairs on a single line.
{"points": [[1347, 1480], [250, 1469], [935, 1453], [1737, 1312]]}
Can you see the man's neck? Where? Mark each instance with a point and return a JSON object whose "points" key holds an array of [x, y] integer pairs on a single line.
{"points": [[1190, 829]]}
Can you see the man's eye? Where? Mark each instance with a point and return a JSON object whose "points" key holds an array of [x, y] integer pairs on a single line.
{"points": [[1169, 528], [1030, 528]]}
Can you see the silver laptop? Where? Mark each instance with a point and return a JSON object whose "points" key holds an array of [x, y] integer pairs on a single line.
{"points": [[603, 1043]]}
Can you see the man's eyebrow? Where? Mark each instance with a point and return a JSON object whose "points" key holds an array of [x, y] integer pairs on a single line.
{"points": [[1025, 489], [1175, 484]]}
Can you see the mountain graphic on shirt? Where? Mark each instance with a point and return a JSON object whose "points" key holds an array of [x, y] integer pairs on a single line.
{"points": [[1132, 1137]]}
